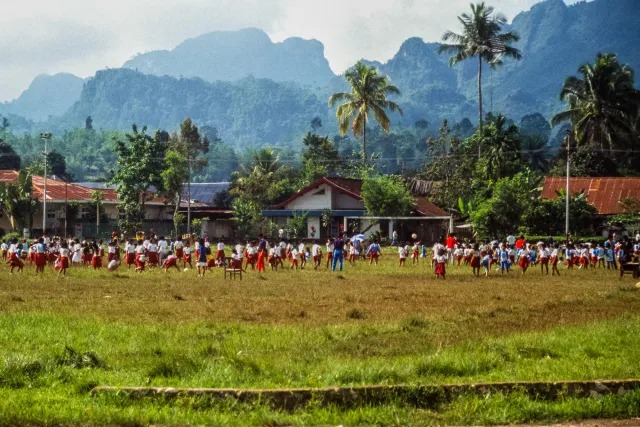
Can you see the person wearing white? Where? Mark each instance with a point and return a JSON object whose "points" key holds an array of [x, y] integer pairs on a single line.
{"points": [[77, 254]]}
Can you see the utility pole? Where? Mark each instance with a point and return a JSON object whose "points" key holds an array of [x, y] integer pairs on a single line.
{"points": [[45, 136], [568, 138]]}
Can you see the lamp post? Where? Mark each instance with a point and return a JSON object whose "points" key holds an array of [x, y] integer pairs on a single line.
{"points": [[45, 136]]}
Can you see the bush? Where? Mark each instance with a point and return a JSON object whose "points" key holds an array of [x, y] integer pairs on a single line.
{"points": [[10, 236]]}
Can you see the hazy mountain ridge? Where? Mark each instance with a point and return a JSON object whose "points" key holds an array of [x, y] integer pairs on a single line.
{"points": [[230, 55], [555, 40]]}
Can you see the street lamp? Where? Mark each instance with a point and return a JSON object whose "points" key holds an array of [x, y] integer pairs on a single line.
{"points": [[45, 136]]}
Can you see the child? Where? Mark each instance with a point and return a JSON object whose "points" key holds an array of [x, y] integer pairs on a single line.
{"points": [[113, 265], [402, 254], [4, 248], [316, 253], [130, 251], [40, 256], [329, 246], [374, 252], [505, 261], [569, 257], [236, 260], [474, 261], [294, 258], [532, 255], [63, 259], [141, 257], [486, 263], [458, 253], [178, 246], [202, 259], [273, 259], [523, 259], [220, 252], [14, 257], [609, 256], [544, 259], [441, 264], [554, 260], [302, 253], [600, 256], [251, 253], [96, 260], [170, 261], [186, 258], [415, 253], [152, 251]]}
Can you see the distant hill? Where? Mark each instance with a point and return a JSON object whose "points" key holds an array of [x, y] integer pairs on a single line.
{"points": [[233, 55], [259, 92], [249, 112], [47, 95]]}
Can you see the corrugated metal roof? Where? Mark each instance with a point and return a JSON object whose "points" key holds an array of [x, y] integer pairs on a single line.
{"points": [[205, 192], [60, 190], [426, 208], [604, 193]]}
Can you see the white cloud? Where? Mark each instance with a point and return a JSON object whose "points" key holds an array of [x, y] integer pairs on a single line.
{"points": [[82, 36]]}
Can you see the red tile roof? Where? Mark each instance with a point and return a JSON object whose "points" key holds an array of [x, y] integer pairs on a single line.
{"points": [[353, 188], [59, 190], [604, 193]]}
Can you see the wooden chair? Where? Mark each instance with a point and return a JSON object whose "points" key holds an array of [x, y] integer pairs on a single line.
{"points": [[232, 272], [630, 268]]}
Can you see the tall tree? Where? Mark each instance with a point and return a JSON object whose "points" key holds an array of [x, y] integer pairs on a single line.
{"points": [[9, 159], [17, 201], [194, 145], [319, 158], [175, 173], [369, 91], [603, 104], [500, 143], [535, 151], [481, 36], [138, 168]]}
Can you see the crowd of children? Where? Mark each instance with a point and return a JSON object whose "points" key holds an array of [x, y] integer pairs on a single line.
{"points": [[141, 253]]}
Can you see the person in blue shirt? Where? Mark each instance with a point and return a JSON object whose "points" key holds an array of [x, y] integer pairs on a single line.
{"points": [[374, 252], [609, 256], [338, 254], [505, 263]]}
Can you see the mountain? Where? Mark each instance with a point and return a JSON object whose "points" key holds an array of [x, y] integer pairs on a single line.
{"points": [[248, 112], [233, 55], [46, 96]]}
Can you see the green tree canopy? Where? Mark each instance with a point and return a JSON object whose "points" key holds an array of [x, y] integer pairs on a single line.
{"points": [[9, 159], [17, 202], [386, 195]]}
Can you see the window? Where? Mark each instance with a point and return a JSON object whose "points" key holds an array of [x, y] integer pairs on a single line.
{"points": [[51, 215], [84, 212]]}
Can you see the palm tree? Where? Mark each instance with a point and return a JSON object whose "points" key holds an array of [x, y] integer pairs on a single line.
{"points": [[262, 163], [501, 143], [481, 37], [603, 105], [17, 201], [369, 92], [535, 151]]}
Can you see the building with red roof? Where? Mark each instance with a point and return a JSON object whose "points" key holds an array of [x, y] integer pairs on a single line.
{"points": [[59, 193], [342, 197], [605, 194]]}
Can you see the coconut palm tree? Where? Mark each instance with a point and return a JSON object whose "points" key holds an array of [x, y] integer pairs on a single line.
{"points": [[501, 143], [535, 151], [369, 91], [482, 37], [603, 105], [17, 201]]}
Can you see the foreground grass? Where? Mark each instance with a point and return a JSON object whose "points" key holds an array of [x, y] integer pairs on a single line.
{"points": [[60, 337], [43, 382]]}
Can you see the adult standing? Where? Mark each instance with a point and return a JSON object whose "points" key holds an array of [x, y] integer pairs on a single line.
{"points": [[262, 253], [338, 252], [451, 243], [394, 238]]}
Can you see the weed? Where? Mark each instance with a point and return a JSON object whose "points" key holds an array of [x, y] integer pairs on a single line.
{"points": [[77, 360], [356, 314]]}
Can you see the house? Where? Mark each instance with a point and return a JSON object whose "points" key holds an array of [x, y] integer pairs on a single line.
{"points": [[217, 222], [340, 200], [59, 193], [604, 193]]}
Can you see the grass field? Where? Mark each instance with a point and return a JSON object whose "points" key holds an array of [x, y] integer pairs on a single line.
{"points": [[59, 337]]}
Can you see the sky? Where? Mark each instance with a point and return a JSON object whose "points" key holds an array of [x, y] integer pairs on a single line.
{"points": [[83, 36]]}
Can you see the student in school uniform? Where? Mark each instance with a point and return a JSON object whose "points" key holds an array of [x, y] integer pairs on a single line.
{"points": [[96, 260], [374, 252], [505, 261], [402, 254], [220, 255], [262, 254], [186, 257], [141, 257], [329, 246], [523, 259], [5, 250], [600, 255], [251, 255], [202, 259], [170, 261], [441, 265], [40, 256], [130, 253], [458, 253], [555, 258], [474, 260], [316, 254], [62, 264], [236, 259], [273, 260], [152, 252], [486, 262], [178, 247], [543, 255], [14, 257], [294, 258]]}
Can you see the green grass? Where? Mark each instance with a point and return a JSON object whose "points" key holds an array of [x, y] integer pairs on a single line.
{"points": [[60, 337]]}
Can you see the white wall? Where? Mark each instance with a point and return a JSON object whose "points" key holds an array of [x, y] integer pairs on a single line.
{"points": [[343, 201], [311, 201]]}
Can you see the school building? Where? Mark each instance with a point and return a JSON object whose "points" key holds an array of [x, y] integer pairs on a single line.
{"points": [[339, 200]]}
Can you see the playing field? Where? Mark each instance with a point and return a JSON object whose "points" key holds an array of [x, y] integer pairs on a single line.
{"points": [[61, 336]]}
